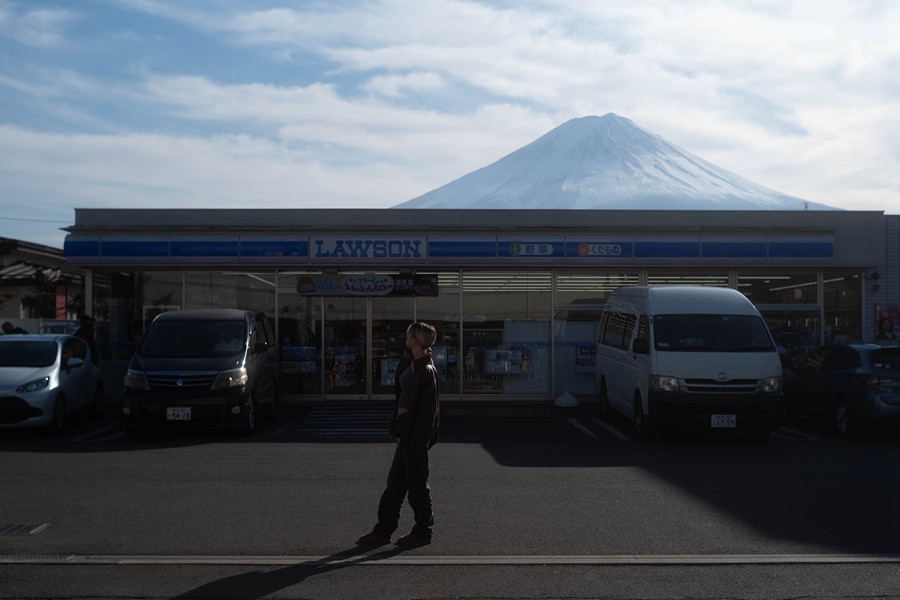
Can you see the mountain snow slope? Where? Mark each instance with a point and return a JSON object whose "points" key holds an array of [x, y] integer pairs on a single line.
{"points": [[605, 162]]}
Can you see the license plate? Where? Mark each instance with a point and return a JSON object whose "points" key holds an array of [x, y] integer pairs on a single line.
{"points": [[178, 413], [723, 421]]}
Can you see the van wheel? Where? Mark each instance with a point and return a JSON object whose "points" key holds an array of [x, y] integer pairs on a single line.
{"points": [[604, 401], [248, 421], [641, 423]]}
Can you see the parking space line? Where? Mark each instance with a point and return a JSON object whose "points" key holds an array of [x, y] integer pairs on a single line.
{"points": [[85, 436], [574, 423], [618, 434], [786, 433]]}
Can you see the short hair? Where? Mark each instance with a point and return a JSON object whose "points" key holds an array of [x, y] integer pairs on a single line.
{"points": [[423, 333]]}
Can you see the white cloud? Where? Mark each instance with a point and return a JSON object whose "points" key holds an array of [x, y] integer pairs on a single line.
{"points": [[43, 28]]}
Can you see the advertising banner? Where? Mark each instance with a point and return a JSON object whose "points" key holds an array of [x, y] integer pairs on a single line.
{"points": [[368, 284]]}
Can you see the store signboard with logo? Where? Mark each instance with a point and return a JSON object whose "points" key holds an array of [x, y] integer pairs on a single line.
{"points": [[368, 284], [530, 248]]}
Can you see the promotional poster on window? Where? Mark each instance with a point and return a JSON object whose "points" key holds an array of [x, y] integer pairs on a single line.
{"points": [[368, 284]]}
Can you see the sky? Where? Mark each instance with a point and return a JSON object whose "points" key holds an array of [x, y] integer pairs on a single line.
{"points": [[349, 104]]}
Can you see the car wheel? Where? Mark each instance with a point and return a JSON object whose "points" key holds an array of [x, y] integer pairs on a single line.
{"points": [[248, 422], [59, 416], [641, 423], [97, 402], [842, 419], [604, 401]]}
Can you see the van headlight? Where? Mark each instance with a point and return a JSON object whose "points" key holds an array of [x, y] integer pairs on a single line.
{"points": [[33, 386], [233, 378], [136, 380], [661, 383], [771, 385]]}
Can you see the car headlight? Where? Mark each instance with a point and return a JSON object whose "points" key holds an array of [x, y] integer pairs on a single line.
{"points": [[136, 380], [233, 378], [771, 385], [33, 386], [661, 383]]}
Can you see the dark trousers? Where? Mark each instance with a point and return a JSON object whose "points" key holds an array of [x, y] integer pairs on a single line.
{"points": [[408, 476]]}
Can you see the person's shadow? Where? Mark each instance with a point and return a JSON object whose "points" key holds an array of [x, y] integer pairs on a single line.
{"points": [[259, 584]]}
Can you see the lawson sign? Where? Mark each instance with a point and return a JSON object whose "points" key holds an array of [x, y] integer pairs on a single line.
{"points": [[342, 247]]}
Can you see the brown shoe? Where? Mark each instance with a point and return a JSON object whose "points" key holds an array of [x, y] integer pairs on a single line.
{"points": [[374, 538], [411, 539]]}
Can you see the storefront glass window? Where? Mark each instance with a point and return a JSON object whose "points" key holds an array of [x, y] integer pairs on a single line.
{"points": [[299, 339], [587, 288], [795, 332], [777, 287], [506, 332], [842, 291], [442, 311], [579, 303], [390, 319], [345, 345], [245, 290], [685, 277], [125, 302]]}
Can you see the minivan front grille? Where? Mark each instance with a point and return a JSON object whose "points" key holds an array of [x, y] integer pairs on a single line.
{"points": [[711, 386], [176, 380]]}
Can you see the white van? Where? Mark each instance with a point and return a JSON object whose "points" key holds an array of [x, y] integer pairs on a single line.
{"points": [[685, 357]]}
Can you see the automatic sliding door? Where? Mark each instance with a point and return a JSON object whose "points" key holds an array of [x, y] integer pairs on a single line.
{"points": [[345, 345]]}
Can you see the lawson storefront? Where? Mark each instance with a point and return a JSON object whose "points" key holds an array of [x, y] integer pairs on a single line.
{"points": [[515, 295]]}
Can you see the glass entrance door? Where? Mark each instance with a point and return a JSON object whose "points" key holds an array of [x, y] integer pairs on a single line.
{"points": [[346, 343], [390, 318]]}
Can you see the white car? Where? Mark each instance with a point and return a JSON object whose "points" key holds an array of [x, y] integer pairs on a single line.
{"points": [[45, 378]]}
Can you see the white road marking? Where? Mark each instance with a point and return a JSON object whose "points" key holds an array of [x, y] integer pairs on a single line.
{"points": [[621, 436], [82, 438], [786, 433], [574, 423], [388, 556]]}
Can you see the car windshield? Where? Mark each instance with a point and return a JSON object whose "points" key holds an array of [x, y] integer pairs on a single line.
{"points": [[886, 358], [711, 333], [27, 353], [186, 339]]}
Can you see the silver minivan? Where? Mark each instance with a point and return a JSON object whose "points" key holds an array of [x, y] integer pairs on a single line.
{"points": [[686, 357]]}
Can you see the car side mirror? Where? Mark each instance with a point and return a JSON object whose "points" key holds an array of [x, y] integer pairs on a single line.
{"points": [[260, 347], [641, 346], [73, 363]]}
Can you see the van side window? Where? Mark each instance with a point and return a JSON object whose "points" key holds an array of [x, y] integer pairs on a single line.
{"points": [[618, 330], [643, 328], [604, 319]]}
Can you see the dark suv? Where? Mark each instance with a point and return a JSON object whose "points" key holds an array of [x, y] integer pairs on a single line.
{"points": [[202, 368]]}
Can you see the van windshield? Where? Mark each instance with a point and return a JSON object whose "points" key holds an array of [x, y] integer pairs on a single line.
{"points": [[711, 333], [188, 339]]}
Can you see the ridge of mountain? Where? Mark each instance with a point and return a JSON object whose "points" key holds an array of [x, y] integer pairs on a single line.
{"points": [[605, 162]]}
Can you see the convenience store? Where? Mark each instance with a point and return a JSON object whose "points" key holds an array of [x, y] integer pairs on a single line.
{"points": [[515, 295]]}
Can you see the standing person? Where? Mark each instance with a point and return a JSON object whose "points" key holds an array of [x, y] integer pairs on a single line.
{"points": [[885, 330], [414, 427], [86, 333]]}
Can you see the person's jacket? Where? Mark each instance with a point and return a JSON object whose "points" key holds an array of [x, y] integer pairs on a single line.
{"points": [[418, 430]]}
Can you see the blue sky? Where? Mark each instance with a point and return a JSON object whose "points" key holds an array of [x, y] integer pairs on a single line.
{"points": [[342, 104]]}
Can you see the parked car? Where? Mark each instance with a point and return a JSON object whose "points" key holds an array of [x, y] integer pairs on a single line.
{"points": [[202, 368], [46, 378], [852, 386]]}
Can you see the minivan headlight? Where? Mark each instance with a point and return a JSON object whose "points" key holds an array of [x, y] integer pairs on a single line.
{"points": [[136, 380], [661, 383], [33, 386], [233, 378], [771, 385]]}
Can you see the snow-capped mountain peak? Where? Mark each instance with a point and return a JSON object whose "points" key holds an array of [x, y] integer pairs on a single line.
{"points": [[605, 162]]}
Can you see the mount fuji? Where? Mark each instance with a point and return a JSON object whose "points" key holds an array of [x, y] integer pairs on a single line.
{"points": [[605, 162]]}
